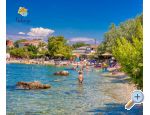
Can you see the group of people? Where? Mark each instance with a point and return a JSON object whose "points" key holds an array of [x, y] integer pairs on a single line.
{"points": [[83, 64]]}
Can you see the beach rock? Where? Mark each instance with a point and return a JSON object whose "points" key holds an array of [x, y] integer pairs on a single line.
{"points": [[62, 73], [32, 85]]}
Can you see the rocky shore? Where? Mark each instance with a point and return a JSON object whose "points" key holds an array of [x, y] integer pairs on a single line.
{"points": [[32, 85]]}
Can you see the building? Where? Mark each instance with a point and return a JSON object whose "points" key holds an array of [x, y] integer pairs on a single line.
{"points": [[82, 50], [9, 43], [34, 42], [94, 48], [85, 50], [7, 55]]}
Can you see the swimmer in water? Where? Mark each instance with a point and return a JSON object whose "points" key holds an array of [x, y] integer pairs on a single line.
{"points": [[80, 77]]}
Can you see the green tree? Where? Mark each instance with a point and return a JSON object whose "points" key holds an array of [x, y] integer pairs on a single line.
{"points": [[125, 42], [19, 52], [101, 48], [57, 46], [127, 29], [130, 56], [42, 44], [32, 49], [110, 37], [25, 52]]}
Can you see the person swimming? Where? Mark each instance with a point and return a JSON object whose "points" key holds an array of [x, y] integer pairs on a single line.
{"points": [[80, 77]]}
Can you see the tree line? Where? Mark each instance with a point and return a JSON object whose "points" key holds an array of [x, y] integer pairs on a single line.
{"points": [[125, 42], [56, 47]]}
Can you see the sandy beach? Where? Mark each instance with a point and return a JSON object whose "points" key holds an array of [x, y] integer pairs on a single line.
{"points": [[31, 61]]}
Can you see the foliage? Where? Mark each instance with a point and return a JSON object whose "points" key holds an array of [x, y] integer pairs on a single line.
{"points": [[8, 49], [79, 44], [24, 52], [125, 42], [130, 56], [127, 29], [19, 52], [42, 44], [58, 47], [32, 49], [101, 48]]}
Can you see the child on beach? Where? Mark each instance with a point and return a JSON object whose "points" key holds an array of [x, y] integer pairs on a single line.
{"points": [[80, 77]]}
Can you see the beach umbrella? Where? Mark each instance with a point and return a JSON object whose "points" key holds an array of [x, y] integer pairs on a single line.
{"points": [[107, 54]]}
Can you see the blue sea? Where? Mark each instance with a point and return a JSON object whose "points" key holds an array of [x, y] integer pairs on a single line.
{"points": [[96, 96]]}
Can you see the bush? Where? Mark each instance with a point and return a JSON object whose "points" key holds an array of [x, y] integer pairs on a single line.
{"points": [[130, 56]]}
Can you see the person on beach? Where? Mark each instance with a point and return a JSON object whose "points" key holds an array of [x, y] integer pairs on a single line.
{"points": [[80, 77], [87, 68], [104, 66], [82, 67]]}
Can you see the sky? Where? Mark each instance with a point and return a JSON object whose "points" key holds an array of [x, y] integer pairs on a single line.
{"points": [[76, 20]]}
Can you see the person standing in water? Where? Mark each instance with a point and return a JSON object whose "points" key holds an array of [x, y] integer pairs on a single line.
{"points": [[80, 77]]}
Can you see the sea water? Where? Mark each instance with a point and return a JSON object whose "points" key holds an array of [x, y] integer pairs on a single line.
{"points": [[97, 94]]}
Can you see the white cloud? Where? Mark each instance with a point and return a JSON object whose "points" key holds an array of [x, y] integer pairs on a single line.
{"points": [[21, 33], [40, 32], [18, 37]]}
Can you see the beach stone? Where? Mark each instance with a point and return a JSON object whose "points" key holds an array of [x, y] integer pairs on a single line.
{"points": [[62, 73], [32, 85]]}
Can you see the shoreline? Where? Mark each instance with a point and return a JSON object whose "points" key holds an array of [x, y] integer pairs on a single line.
{"points": [[35, 62]]}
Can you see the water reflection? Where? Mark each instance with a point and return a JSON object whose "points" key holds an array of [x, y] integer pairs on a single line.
{"points": [[80, 88]]}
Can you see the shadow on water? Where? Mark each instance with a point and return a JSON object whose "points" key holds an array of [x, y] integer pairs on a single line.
{"points": [[79, 90], [120, 79], [117, 109]]}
